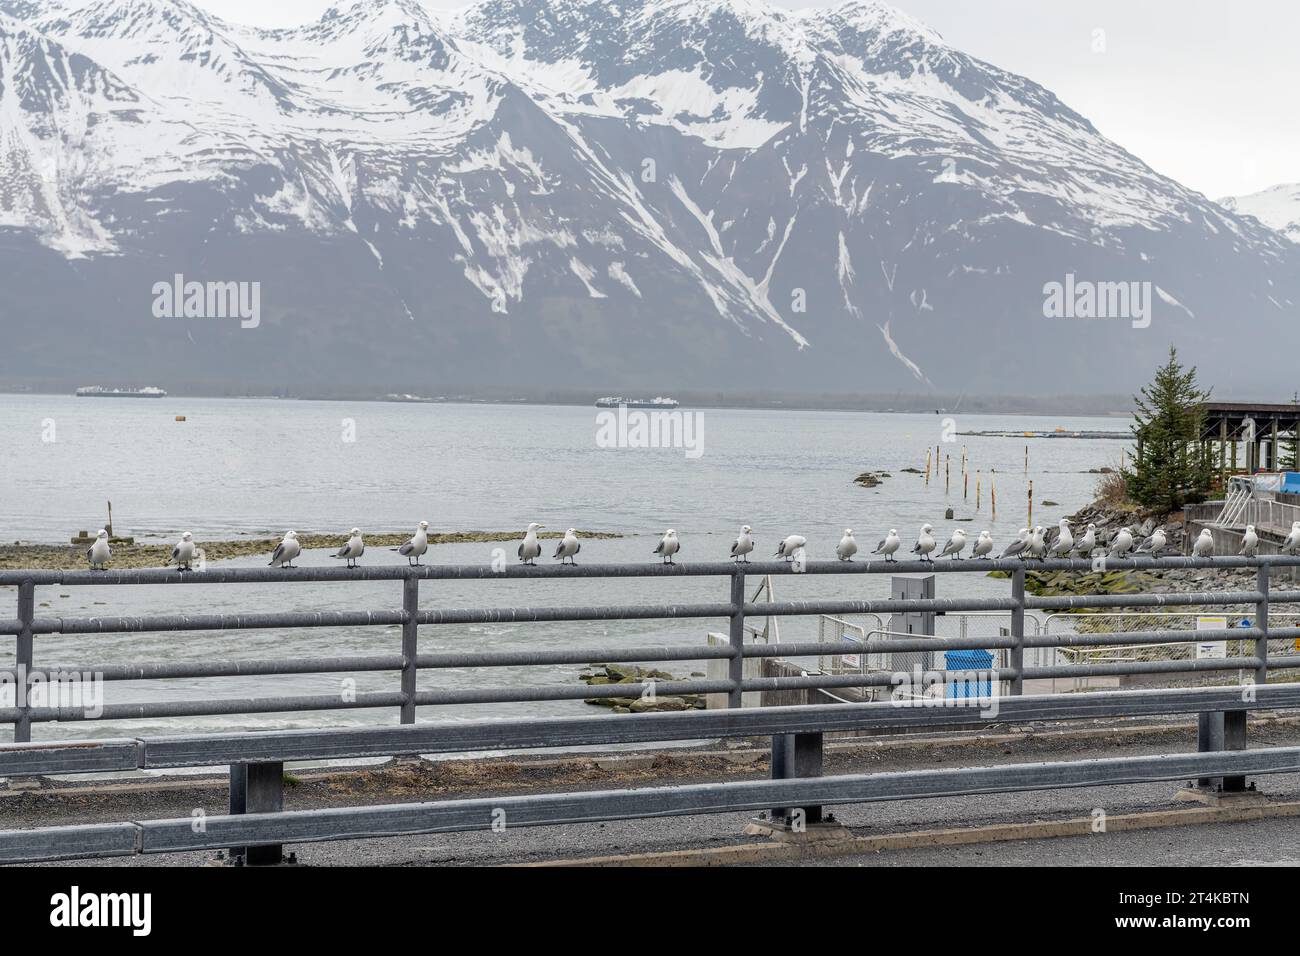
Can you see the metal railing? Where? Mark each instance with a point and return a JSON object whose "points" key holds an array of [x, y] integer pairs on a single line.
{"points": [[407, 661], [256, 760]]}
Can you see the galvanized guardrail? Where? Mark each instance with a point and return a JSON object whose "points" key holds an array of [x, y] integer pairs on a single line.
{"points": [[407, 661], [257, 826]]}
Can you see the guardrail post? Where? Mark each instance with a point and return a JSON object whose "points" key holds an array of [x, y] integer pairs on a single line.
{"points": [[238, 803], [1234, 738], [264, 793], [1017, 655], [1209, 739], [736, 665], [23, 659], [410, 630], [1261, 622], [796, 755]]}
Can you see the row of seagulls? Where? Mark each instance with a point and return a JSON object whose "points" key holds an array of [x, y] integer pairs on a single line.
{"points": [[1029, 543]]}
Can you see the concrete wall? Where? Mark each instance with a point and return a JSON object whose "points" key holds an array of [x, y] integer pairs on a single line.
{"points": [[1227, 541]]}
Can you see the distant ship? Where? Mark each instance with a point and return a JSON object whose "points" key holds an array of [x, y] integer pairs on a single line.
{"points": [[614, 401], [99, 391]]}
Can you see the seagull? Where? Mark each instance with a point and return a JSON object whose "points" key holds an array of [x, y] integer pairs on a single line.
{"points": [[1016, 549], [790, 545], [1250, 543], [1086, 544], [418, 544], [568, 547], [983, 545], [1036, 546], [956, 544], [847, 547], [530, 548], [1204, 546], [1063, 543], [1121, 544], [183, 553], [668, 546], [742, 545], [1292, 543], [1154, 544], [99, 553], [286, 550], [925, 543], [889, 544], [354, 549]]}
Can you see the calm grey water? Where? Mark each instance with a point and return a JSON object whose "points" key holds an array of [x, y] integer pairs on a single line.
{"points": [[251, 466]]}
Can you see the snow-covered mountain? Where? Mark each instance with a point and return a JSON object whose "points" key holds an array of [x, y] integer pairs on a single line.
{"points": [[625, 193], [1277, 207]]}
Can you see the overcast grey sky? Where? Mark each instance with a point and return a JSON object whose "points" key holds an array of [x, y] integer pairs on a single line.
{"points": [[1202, 90]]}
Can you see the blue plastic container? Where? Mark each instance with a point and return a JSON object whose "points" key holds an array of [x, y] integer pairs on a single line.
{"points": [[972, 685]]}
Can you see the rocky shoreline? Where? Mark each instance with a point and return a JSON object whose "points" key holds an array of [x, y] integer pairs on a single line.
{"points": [[1109, 519], [47, 557]]}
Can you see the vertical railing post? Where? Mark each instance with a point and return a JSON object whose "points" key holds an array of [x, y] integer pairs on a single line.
{"points": [[1261, 622], [736, 664], [23, 659], [1018, 632], [410, 630]]}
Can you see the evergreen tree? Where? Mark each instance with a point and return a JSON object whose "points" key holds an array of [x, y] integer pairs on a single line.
{"points": [[1172, 467]]}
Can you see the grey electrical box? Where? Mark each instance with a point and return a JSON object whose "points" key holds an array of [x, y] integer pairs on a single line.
{"points": [[920, 623]]}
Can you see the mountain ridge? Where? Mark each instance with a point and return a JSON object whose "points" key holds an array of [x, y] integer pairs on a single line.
{"points": [[635, 192]]}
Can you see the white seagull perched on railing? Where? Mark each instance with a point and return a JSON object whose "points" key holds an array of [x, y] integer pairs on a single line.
{"points": [[925, 543], [847, 547], [530, 548], [1292, 543], [889, 544], [568, 547], [354, 549], [1121, 544], [1036, 547], [983, 545], [1204, 546], [418, 544], [1250, 542], [286, 550], [1063, 543], [787, 548], [743, 545], [1016, 549], [183, 553], [668, 546], [956, 544], [1154, 543], [99, 553], [1088, 542]]}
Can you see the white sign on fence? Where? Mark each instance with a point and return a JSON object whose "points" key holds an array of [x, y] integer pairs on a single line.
{"points": [[1212, 650]]}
